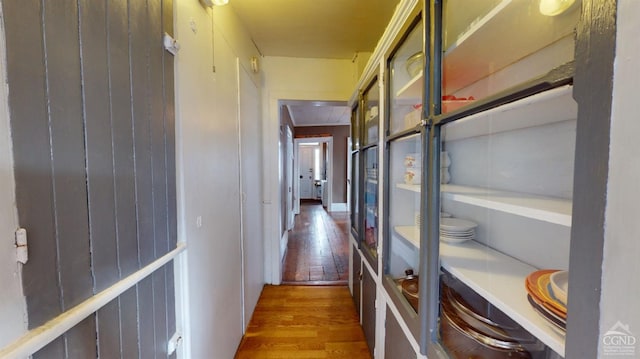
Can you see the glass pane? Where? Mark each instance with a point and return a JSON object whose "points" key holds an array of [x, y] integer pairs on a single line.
{"points": [[355, 193], [371, 201], [403, 251], [407, 83], [355, 128], [371, 115], [492, 45], [506, 199]]}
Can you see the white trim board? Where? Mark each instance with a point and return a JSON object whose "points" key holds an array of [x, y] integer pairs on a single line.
{"points": [[39, 337]]}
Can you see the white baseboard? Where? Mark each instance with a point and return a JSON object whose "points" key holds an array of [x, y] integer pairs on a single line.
{"points": [[338, 207]]}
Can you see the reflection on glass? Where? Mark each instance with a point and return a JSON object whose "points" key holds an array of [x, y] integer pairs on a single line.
{"points": [[371, 201], [405, 177], [407, 83], [371, 115], [355, 191], [505, 228], [492, 45]]}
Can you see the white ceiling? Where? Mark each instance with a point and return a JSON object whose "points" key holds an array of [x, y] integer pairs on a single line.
{"points": [[313, 113], [336, 29]]}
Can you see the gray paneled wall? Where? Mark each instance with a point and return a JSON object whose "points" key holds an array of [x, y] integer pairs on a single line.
{"points": [[91, 96]]}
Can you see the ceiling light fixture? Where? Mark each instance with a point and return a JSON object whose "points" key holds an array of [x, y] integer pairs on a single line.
{"points": [[556, 7]]}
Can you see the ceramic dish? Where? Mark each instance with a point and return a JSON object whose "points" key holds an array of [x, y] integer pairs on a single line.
{"points": [[454, 240], [557, 325], [457, 224], [560, 285], [537, 284], [414, 64], [549, 312]]}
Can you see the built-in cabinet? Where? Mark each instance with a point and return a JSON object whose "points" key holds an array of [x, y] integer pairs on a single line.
{"points": [[467, 180]]}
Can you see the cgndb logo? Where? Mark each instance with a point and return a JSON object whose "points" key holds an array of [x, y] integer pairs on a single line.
{"points": [[619, 341]]}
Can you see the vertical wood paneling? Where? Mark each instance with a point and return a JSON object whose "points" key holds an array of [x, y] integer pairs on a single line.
{"points": [[67, 150], [118, 29], [55, 349], [156, 92], [98, 136], [129, 323], [33, 174], [171, 302], [170, 127], [80, 341], [108, 327], [139, 52], [92, 113], [160, 311], [146, 323]]}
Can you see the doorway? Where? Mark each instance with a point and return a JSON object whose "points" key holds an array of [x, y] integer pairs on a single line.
{"points": [[313, 171]]}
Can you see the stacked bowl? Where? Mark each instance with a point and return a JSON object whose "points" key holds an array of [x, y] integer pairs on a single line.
{"points": [[547, 294]]}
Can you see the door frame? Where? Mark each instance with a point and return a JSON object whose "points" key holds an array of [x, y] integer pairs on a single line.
{"points": [[296, 167]]}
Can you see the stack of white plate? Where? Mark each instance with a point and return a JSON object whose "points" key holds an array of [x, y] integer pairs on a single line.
{"points": [[457, 230]]}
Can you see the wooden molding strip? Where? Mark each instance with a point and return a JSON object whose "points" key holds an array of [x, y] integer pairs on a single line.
{"points": [[37, 338]]}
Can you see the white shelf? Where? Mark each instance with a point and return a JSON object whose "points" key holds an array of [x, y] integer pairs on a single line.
{"points": [[501, 280], [479, 52], [412, 91], [409, 187], [410, 233], [372, 181], [552, 210], [544, 108]]}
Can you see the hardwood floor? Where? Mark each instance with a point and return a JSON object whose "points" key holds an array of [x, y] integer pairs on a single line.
{"points": [[304, 322], [318, 248]]}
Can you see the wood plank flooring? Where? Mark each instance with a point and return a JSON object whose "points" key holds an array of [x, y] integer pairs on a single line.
{"points": [[318, 248], [304, 322]]}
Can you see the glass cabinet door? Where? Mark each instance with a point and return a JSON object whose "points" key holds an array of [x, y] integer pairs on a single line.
{"points": [[505, 223], [491, 45], [355, 128], [404, 174], [371, 115], [369, 150], [506, 180], [407, 83], [370, 245], [402, 261], [355, 173]]}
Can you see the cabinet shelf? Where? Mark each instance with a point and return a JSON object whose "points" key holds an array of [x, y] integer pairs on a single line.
{"points": [[409, 187], [552, 210], [412, 91], [410, 233], [485, 40], [495, 276], [547, 107], [501, 280]]}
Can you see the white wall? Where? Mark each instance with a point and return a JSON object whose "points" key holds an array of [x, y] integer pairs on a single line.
{"points": [[208, 278], [12, 304], [620, 284], [287, 78]]}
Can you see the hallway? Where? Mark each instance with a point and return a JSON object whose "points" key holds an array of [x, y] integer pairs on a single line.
{"points": [[318, 248], [304, 322]]}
